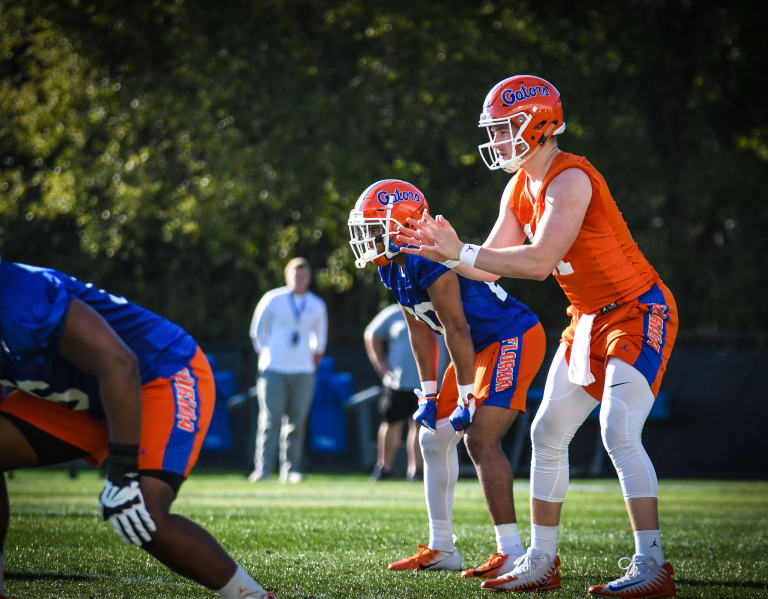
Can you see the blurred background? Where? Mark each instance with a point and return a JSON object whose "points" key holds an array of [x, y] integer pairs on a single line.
{"points": [[180, 152]]}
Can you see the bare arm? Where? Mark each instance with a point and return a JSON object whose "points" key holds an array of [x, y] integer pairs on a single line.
{"points": [[567, 199], [375, 348], [424, 346], [446, 298], [91, 345]]}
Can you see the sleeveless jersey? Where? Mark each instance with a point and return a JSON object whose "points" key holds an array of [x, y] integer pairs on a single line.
{"points": [[604, 264], [33, 306], [492, 314]]}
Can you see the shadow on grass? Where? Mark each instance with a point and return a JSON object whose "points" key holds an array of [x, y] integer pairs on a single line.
{"points": [[11, 575], [721, 583]]}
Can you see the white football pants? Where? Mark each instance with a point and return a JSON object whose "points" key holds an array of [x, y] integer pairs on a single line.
{"points": [[627, 400]]}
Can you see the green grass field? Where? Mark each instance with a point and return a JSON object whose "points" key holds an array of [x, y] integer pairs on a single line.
{"points": [[332, 537]]}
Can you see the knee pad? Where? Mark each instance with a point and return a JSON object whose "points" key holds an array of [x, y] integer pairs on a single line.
{"points": [[438, 443], [622, 417]]}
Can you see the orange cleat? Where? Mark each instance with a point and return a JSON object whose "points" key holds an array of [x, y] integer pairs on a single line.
{"points": [[496, 565], [429, 559]]}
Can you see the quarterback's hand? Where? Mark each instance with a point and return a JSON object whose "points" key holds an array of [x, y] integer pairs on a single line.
{"points": [[426, 414], [462, 416], [121, 501], [434, 238]]}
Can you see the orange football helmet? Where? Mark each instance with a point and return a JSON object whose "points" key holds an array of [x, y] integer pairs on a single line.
{"points": [[377, 212], [530, 106]]}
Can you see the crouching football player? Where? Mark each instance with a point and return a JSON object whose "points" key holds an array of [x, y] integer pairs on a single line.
{"points": [[496, 346], [97, 377]]}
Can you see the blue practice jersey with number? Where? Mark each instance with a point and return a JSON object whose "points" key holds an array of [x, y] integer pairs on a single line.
{"points": [[33, 307], [492, 314]]}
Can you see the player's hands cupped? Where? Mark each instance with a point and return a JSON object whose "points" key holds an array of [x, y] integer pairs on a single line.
{"points": [[433, 238]]}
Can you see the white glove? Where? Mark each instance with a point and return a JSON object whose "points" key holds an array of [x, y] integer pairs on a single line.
{"points": [[123, 506], [121, 501]]}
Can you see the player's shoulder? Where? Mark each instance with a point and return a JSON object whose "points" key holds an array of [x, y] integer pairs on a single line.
{"points": [[33, 303], [416, 263], [21, 283], [571, 176]]}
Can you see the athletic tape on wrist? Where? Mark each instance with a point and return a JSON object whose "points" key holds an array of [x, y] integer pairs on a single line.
{"points": [[465, 391], [429, 387], [468, 254]]}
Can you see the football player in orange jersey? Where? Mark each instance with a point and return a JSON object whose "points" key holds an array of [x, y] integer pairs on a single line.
{"points": [[616, 347]]}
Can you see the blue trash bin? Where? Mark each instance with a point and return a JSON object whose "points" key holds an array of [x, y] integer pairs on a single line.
{"points": [[219, 437], [327, 417]]}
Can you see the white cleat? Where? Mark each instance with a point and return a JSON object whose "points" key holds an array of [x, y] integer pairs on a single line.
{"points": [[644, 578], [533, 571]]}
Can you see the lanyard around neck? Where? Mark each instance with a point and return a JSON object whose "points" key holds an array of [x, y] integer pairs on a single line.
{"points": [[297, 310]]}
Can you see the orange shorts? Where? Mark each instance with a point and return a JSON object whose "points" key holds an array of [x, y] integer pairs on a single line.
{"points": [[640, 332], [503, 372], [175, 415]]}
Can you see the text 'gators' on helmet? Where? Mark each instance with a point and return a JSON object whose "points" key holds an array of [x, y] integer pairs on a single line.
{"points": [[519, 113], [373, 222]]}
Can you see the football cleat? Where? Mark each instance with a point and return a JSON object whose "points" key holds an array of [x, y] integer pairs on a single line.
{"points": [[533, 571], [429, 559], [644, 578], [496, 565]]}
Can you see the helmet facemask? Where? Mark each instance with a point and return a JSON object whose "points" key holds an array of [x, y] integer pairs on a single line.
{"points": [[366, 233], [517, 125]]}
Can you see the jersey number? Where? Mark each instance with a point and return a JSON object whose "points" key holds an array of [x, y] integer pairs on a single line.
{"points": [[425, 312]]}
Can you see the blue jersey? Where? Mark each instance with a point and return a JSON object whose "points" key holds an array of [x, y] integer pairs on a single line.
{"points": [[33, 307], [492, 314]]}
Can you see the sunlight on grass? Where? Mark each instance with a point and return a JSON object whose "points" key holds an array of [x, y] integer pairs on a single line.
{"points": [[332, 537]]}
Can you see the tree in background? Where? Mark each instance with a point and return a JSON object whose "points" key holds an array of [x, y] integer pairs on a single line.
{"points": [[181, 151]]}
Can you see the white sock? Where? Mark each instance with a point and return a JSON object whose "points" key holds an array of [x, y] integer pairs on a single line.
{"points": [[508, 539], [240, 584], [544, 538], [441, 535], [648, 542]]}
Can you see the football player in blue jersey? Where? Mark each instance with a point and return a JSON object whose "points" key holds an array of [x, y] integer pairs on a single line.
{"points": [[496, 346], [99, 378]]}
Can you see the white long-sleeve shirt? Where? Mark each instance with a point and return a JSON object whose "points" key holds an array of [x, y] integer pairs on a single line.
{"points": [[277, 321]]}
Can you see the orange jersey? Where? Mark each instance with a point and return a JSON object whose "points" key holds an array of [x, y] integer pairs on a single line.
{"points": [[604, 264]]}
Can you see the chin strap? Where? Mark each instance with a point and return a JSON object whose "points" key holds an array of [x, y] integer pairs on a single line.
{"points": [[387, 251]]}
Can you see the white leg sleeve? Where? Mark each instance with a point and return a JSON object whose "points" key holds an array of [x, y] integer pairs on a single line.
{"points": [[627, 400], [563, 410], [441, 471]]}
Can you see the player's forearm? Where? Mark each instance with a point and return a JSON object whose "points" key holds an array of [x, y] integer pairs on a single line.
{"points": [[521, 262], [425, 354], [374, 348], [120, 391], [470, 272], [459, 343]]}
